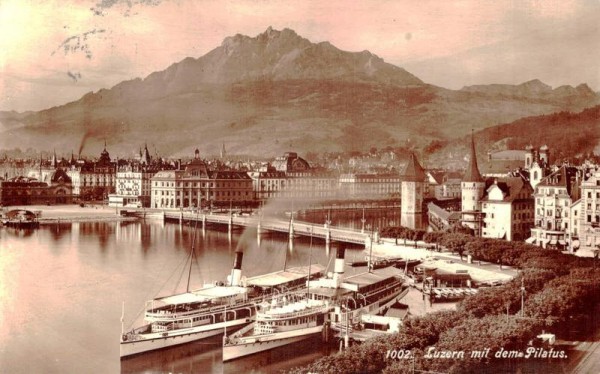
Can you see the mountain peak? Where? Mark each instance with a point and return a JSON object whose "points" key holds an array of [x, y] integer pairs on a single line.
{"points": [[535, 85], [584, 89], [285, 55]]}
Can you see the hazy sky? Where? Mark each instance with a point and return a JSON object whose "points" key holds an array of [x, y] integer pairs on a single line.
{"points": [[53, 52]]}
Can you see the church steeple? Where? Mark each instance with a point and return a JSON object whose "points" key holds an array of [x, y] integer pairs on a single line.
{"points": [[472, 173], [145, 156]]}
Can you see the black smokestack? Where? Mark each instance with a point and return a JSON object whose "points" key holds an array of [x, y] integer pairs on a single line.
{"points": [[237, 263], [339, 254], [82, 143]]}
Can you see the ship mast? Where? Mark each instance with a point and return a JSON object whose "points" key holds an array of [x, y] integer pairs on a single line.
{"points": [[370, 263], [309, 264], [192, 254]]}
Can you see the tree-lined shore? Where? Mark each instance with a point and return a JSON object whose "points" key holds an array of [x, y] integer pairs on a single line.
{"points": [[554, 292]]}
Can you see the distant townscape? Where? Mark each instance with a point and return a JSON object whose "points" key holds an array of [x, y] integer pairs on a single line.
{"points": [[514, 195]]}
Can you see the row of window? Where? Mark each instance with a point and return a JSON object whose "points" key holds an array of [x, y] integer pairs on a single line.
{"points": [[589, 195]]}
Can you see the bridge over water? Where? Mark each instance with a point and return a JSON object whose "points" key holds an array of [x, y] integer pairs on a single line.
{"points": [[292, 227]]}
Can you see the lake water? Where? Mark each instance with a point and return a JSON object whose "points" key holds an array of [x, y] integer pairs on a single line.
{"points": [[62, 289]]}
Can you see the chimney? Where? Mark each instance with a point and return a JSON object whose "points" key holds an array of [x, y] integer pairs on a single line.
{"points": [[338, 267], [236, 272]]}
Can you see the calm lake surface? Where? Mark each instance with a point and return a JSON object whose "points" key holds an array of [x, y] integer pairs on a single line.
{"points": [[62, 289]]}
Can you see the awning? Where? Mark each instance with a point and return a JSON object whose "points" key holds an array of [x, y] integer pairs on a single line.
{"points": [[562, 242], [184, 298], [530, 240]]}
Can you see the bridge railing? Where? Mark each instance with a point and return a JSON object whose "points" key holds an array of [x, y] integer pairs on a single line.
{"points": [[300, 227]]}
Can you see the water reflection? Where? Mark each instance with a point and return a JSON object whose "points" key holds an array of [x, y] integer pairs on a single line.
{"points": [[20, 233], [62, 288]]}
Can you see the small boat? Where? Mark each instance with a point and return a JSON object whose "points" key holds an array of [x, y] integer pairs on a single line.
{"points": [[21, 219]]}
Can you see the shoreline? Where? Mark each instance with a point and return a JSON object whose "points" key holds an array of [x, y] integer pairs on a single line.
{"points": [[59, 220], [56, 214]]}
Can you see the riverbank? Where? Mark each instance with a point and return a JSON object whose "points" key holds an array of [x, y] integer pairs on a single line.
{"points": [[52, 214]]}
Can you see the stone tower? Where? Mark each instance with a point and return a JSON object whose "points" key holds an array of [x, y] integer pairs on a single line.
{"points": [[472, 189], [413, 185]]}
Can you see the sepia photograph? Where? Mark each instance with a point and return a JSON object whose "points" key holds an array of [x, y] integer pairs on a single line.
{"points": [[300, 186]]}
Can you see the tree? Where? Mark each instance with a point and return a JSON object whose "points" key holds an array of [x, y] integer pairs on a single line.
{"points": [[456, 243]]}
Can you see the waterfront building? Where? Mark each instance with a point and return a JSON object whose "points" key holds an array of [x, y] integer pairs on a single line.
{"points": [[412, 192], [315, 186], [196, 186], [291, 177], [370, 186], [133, 185], [10, 168], [507, 209], [93, 180], [554, 198], [267, 183], [589, 215], [29, 191]]}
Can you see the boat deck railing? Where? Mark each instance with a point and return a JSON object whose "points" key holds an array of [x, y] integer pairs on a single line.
{"points": [[294, 314], [167, 315]]}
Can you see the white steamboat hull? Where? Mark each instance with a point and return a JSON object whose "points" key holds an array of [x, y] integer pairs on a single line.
{"points": [[155, 341], [252, 345]]}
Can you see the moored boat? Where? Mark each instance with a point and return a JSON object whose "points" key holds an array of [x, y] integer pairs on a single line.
{"points": [[280, 324], [338, 299], [208, 311]]}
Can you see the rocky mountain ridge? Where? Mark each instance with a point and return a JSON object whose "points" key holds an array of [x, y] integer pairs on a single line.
{"points": [[276, 92]]}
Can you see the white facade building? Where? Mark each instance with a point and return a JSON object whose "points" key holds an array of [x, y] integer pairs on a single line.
{"points": [[508, 209], [589, 216], [554, 197]]}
